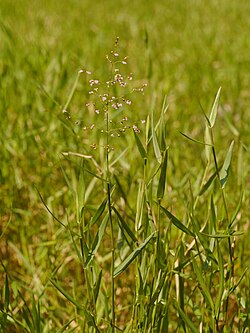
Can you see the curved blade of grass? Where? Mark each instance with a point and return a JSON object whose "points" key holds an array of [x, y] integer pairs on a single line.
{"points": [[177, 222], [98, 213], [194, 140], [97, 240], [225, 235], [61, 330], [208, 183], [214, 111], [155, 141], [121, 268], [225, 168], [140, 147], [97, 286], [65, 294], [203, 285], [162, 180], [124, 225], [72, 90]]}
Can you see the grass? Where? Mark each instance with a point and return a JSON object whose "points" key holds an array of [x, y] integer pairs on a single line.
{"points": [[124, 207]]}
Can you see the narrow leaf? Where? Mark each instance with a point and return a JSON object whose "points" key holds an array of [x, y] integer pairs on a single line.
{"points": [[203, 285], [124, 225], [208, 183], [97, 240], [140, 146], [225, 168], [177, 222], [194, 140], [214, 111], [121, 268], [155, 141], [162, 180], [98, 213], [65, 294]]}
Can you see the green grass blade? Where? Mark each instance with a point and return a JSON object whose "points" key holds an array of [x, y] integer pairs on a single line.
{"points": [[225, 168], [121, 268], [206, 186], [62, 329], [140, 147], [98, 213], [155, 141], [203, 285], [97, 286], [125, 226], [177, 222], [194, 140], [162, 180], [97, 240], [65, 294], [72, 90], [139, 206], [214, 111]]}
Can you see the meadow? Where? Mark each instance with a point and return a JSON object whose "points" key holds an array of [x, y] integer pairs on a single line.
{"points": [[124, 166]]}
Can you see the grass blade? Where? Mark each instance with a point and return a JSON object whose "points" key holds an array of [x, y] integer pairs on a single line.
{"points": [[162, 180], [121, 268], [62, 329], [208, 183], [225, 168], [140, 146], [203, 285], [97, 240], [155, 141], [214, 111], [194, 140], [65, 294], [177, 222], [124, 225]]}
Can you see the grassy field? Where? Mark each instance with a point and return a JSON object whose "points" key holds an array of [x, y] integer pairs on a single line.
{"points": [[124, 166]]}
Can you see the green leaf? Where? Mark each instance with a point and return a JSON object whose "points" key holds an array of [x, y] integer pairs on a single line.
{"points": [[72, 91], [98, 213], [140, 146], [65, 294], [214, 111], [123, 265], [61, 330], [155, 141], [97, 240], [224, 235], [203, 285], [194, 140], [124, 225], [225, 168], [208, 183], [162, 180], [177, 222], [97, 286]]}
